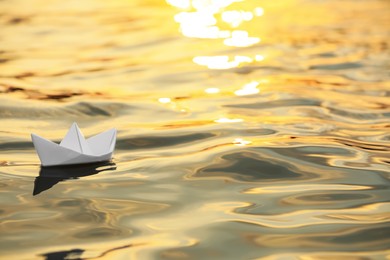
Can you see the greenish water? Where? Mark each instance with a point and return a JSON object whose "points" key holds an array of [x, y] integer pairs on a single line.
{"points": [[246, 129]]}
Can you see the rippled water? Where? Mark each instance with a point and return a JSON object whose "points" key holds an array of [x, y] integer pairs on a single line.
{"points": [[246, 129]]}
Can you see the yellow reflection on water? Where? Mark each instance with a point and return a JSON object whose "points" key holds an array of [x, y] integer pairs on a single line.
{"points": [[259, 57], [199, 25], [106, 59], [241, 142], [248, 89], [183, 4], [228, 120], [235, 18], [241, 38], [326, 255], [221, 62], [200, 21], [304, 187], [212, 90], [215, 62], [220, 21], [259, 11], [164, 100]]}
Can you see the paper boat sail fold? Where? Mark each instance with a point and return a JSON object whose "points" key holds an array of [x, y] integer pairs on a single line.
{"points": [[75, 149]]}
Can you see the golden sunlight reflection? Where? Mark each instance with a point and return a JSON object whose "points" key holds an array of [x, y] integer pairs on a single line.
{"points": [[241, 38], [302, 218], [200, 25], [221, 62], [183, 4], [164, 100], [248, 89], [241, 142], [329, 255], [259, 11], [202, 18], [245, 128], [235, 18], [215, 62], [215, 5], [171, 104], [259, 57], [228, 120], [212, 90], [305, 187], [199, 21]]}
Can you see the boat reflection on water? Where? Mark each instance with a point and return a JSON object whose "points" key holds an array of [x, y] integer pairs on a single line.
{"points": [[76, 253], [50, 176], [69, 254]]}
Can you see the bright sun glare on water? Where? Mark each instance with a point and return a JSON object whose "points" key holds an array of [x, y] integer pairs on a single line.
{"points": [[205, 19]]}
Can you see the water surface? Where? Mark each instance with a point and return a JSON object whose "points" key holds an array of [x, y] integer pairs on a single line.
{"points": [[246, 129]]}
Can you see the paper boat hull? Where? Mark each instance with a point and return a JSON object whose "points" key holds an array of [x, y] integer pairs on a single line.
{"points": [[52, 154], [82, 159]]}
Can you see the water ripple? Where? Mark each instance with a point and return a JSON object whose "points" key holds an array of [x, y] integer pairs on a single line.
{"points": [[244, 131]]}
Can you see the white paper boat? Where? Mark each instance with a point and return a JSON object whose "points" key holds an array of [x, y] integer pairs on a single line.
{"points": [[74, 149]]}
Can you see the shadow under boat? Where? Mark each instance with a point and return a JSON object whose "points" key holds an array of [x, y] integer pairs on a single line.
{"points": [[62, 255], [50, 176]]}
